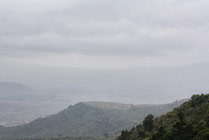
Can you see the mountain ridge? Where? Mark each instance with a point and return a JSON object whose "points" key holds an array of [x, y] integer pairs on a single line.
{"points": [[87, 119], [14, 87]]}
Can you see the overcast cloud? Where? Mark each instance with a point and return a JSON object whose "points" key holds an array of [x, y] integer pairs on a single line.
{"points": [[104, 34], [112, 50]]}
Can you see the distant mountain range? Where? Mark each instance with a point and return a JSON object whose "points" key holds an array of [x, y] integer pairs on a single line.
{"points": [[21, 104], [95, 119], [14, 88], [14, 103]]}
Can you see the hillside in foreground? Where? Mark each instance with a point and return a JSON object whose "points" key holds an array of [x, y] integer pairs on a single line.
{"points": [[190, 121], [68, 138], [91, 119]]}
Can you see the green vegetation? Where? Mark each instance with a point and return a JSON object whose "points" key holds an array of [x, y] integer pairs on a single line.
{"points": [[190, 121], [67, 138], [94, 119]]}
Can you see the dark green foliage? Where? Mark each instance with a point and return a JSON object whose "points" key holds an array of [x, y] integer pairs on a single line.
{"points": [[182, 130], [67, 138], [140, 130], [148, 123], [124, 135], [203, 135], [190, 121], [159, 134]]}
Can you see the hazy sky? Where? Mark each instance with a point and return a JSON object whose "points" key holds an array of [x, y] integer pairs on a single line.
{"points": [[104, 34], [53, 43], [128, 51]]}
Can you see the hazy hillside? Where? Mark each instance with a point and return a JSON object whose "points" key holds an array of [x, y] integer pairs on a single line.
{"points": [[21, 104], [13, 88], [11, 94], [68, 138], [190, 121], [88, 119]]}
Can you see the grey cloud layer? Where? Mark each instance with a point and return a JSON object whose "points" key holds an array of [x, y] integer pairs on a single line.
{"points": [[103, 27]]}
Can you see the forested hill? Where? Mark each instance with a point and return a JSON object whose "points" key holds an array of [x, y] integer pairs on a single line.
{"points": [[190, 121], [68, 138], [94, 119]]}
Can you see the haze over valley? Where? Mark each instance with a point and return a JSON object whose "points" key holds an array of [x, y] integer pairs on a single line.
{"points": [[23, 103], [104, 70]]}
